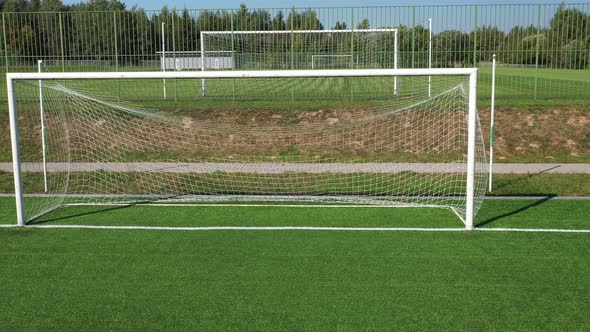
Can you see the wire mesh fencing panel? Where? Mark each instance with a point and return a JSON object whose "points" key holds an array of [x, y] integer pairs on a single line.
{"points": [[543, 50]]}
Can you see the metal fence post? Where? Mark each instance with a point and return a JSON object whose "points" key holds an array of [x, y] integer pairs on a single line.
{"points": [[351, 36], [292, 51], [233, 57], [61, 36], [413, 35], [537, 51], [292, 40], [5, 43], [351, 51], [116, 53], [475, 39], [174, 56]]}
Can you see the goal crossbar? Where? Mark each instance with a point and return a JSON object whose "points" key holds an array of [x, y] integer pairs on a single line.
{"points": [[251, 32], [244, 74], [472, 110]]}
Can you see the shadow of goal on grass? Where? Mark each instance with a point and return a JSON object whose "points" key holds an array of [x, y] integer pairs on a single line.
{"points": [[82, 214], [533, 204], [96, 209]]}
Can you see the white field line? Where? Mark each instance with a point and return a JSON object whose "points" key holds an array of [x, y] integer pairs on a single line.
{"points": [[303, 228], [255, 205], [533, 230], [254, 228], [524, 198]]}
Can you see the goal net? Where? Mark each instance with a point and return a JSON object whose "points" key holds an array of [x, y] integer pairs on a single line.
{"points": [[331, 61], [299, 49], [321, 144]]}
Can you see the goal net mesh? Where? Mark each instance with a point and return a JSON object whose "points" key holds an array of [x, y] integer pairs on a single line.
{"points": [[329, 140], [332, 62]]}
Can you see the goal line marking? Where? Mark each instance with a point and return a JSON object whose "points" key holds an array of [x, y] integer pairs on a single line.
{"points": [[180, 204], [303, 228]]}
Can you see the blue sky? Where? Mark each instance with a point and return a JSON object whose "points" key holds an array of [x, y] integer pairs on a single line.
{"points": [[209, 4], [444, 18]]}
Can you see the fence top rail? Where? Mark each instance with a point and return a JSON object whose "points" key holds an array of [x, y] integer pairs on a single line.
{"points": [[296, 31], [243, 74], [151, 11]]}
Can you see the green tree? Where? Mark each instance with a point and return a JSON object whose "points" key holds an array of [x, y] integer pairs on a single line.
{"points": [[489, 41], [51, 6], [305, 20], [568, 38], [364, 24], [278, 22], [450, 48], [13, 6], [419, 39], [340, 26], [520, 46]]}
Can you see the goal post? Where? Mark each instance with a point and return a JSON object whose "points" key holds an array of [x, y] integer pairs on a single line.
{"points": [[296, 49], [415, 152]]}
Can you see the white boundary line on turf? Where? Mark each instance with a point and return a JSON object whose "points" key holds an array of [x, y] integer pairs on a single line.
{"points": [[408, 205], [254, 228], [533, 230], [305, 228]]}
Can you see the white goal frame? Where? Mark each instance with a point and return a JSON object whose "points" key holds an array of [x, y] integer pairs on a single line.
{"points": [[252, 32], [11, 78]]}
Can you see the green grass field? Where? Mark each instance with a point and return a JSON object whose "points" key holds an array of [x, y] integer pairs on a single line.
{"points": [[526, 86], [74, 279], [514, 86]]}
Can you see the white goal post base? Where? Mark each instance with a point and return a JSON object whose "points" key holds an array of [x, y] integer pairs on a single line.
{"points": [[471, 111]]}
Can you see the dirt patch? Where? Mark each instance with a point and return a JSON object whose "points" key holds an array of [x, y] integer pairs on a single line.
{"points": [[522, 134], [273, 119], [540, 134]]}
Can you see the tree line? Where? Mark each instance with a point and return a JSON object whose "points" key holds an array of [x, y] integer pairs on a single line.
{"points": [[102, 29]]}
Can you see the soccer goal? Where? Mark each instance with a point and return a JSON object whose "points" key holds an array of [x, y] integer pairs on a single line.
{"points": [[396, 152], [300, 49]]}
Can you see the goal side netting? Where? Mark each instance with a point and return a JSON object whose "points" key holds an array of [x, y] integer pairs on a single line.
{"points": [[377, 148]]}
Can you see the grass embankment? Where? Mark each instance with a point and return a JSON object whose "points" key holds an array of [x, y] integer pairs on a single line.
{"points": [[540, 134]]}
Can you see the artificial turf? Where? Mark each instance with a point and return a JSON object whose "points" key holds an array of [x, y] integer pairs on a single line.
{"points": [[80, 279], [292, 280]]}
